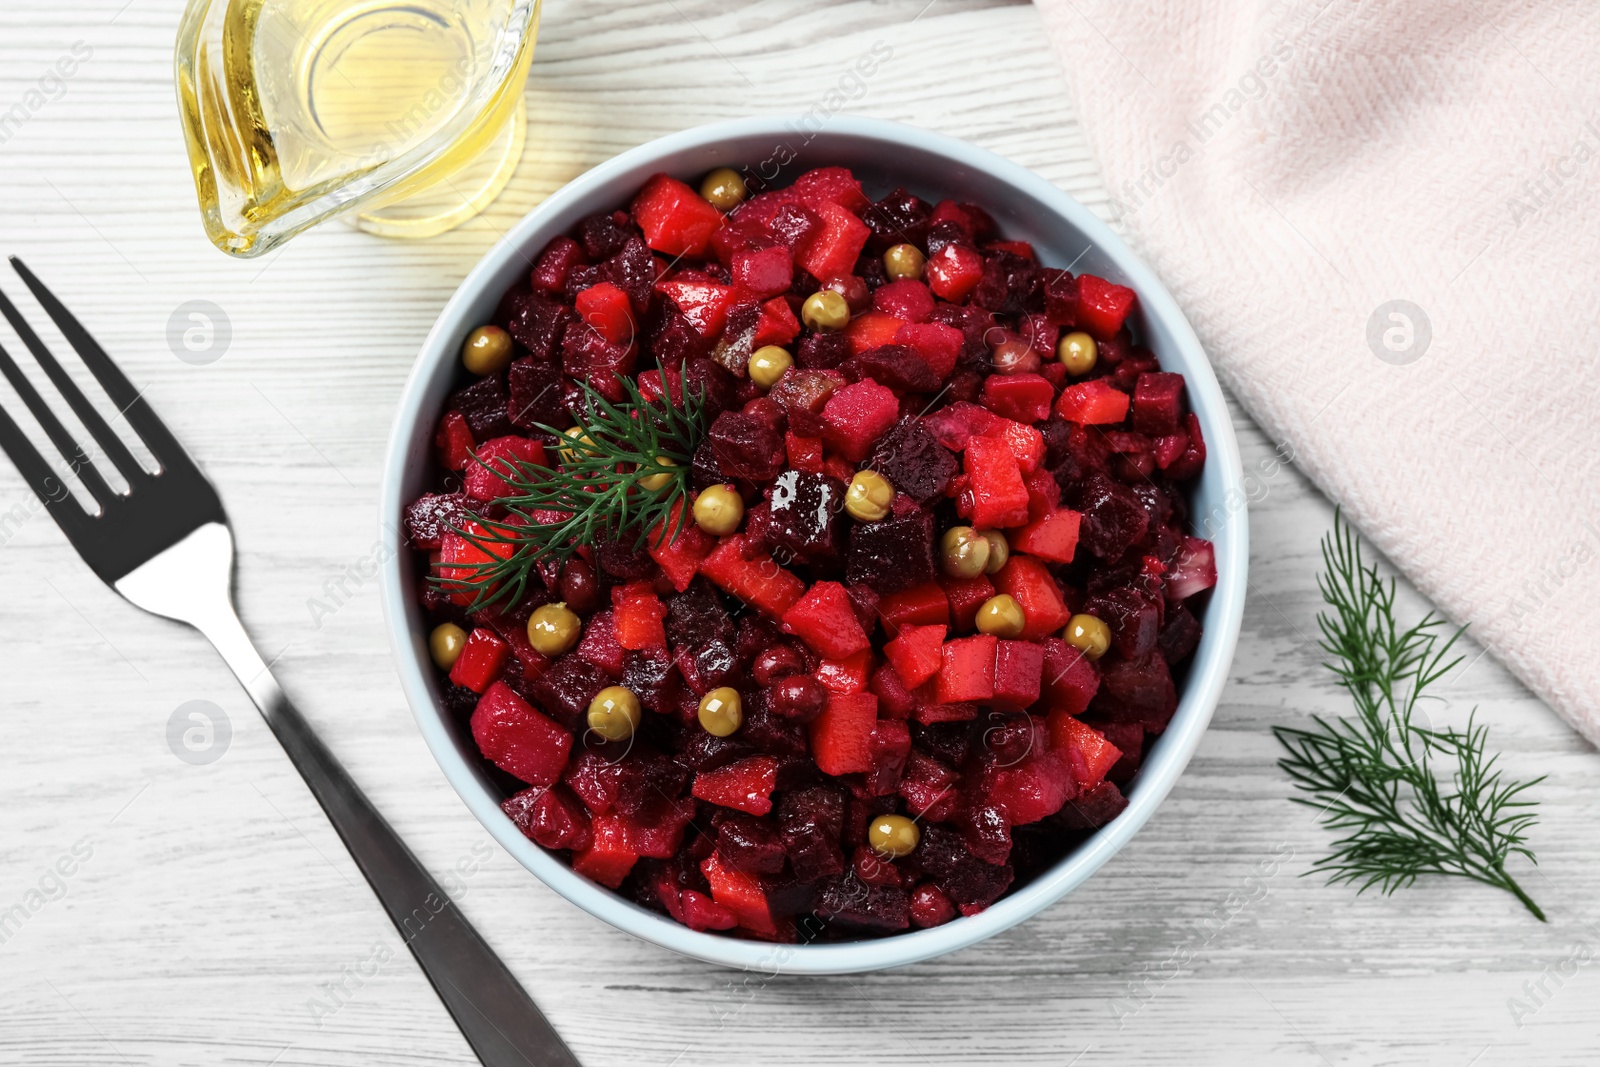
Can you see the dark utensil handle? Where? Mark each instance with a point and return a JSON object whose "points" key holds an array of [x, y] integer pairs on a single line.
{"points": [[498, 1019]]}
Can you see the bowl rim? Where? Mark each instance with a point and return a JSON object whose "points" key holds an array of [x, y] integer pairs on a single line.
{"points": [[1198, 699]]}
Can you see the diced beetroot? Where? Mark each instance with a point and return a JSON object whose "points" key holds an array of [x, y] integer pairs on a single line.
{"points": [[841, 737], [856, 416], [938, 345], [794, 224], [1128, 737], [1039, 332], [537, 323], [1060, 297], [609, 859], [676, 220], [837, 246], [599, 644], [871, 869], [1188, 464], [847, 675], [1029, 583], [986, 831], [890, 745], [588, 356], [824, 619], [1103, 306], [1179, 636], [954, 271], [680, 554], [1114, 519], [870, 330], [1137, 691], [518, 739], [550, 817], [757, 581], [905, 299], [915, 463], [1018, 671], [1044, 493], [749, 844], [594, 779], [999, 497], [1053, 537], [748, 444], [744, 786], [1169, 447], [803, 392], [454, 441], [704, 304], [834, 185], [896, 366], [1034, 790], [895, 698], [1193, 571], [741, 894], [777, 324], [967, 672], [638, 614], [1098, 805], [805, 453], [482, 659], [916, 653], [1157, 403], [432, 515], [923, 605], [1086, 749], [606, 308], [700, 912], [929, 788], [1020, 397], [1134, 619], [500, 456], [763, 273], [1093, 403], [966, 596], [555, 262]]}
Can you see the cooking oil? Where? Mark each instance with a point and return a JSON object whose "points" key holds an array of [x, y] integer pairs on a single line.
{"points": [[408, 111]]}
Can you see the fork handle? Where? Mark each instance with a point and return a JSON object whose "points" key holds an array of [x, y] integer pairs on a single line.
{"points": [[496, 1016]]}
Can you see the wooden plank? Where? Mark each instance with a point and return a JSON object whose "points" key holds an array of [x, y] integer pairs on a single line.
{"points": [[216, 905]]}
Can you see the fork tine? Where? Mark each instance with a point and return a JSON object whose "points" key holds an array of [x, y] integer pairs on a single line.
{"points": [[129, 401], [98, 428], [59, 436], [50, 490]]}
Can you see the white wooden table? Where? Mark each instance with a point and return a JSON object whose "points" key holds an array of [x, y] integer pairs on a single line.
{"points": [[210, 909]]}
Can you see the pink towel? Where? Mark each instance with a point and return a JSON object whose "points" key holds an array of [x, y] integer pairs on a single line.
{"points": [[1383, 220]]}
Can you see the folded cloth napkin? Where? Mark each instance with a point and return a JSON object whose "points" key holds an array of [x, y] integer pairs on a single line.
{"points": [[1383, 220]]}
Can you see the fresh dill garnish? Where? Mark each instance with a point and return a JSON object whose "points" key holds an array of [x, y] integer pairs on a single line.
{"points": [[622, 468], [1377, 777]]}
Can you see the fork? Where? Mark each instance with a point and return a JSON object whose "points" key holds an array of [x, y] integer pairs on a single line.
{"points": [[165, 546]]}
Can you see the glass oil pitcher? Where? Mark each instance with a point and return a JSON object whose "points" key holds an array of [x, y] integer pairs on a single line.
{"points": [[406, 113]]}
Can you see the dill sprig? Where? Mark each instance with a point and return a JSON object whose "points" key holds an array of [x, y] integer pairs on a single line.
{"points": [[601, 484], [1377, 777]]}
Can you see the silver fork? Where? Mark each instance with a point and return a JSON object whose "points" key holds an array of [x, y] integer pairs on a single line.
{"points": [[165, 546]]}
